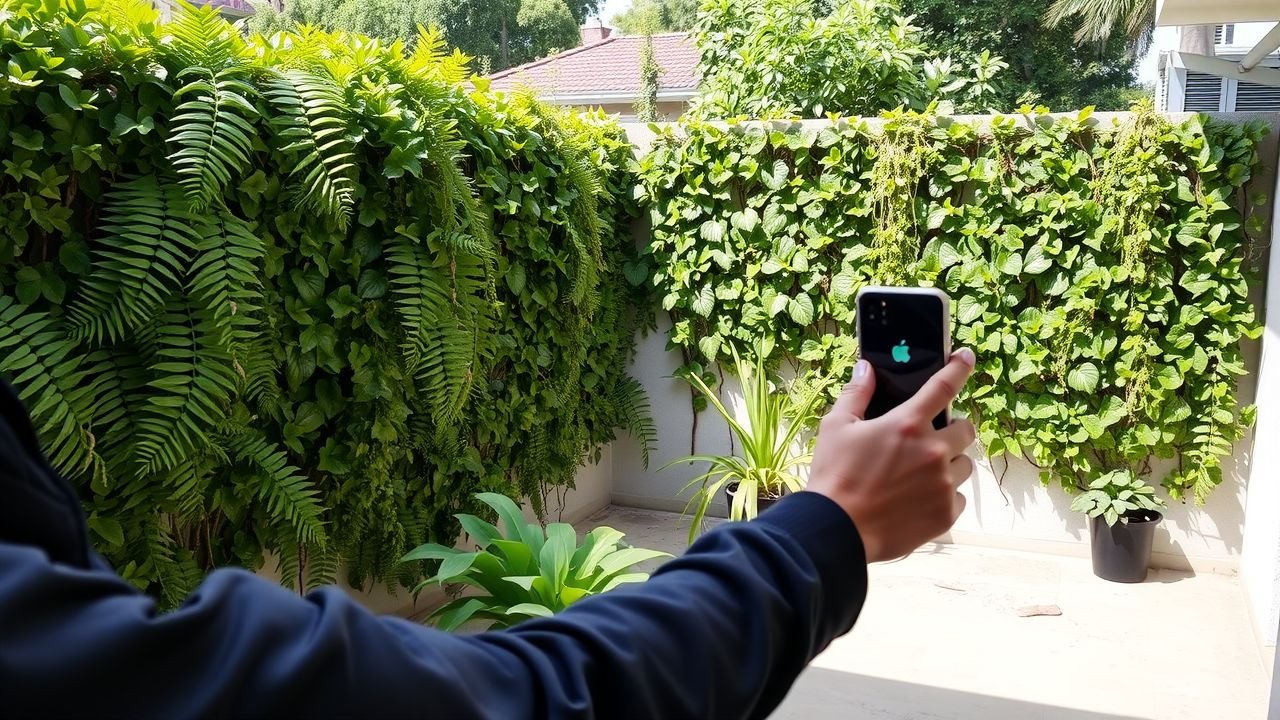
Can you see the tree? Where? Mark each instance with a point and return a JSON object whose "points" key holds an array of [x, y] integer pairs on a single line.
{"points": [[1100, 19], [763, 58], [501, 33], [655, 16], [1045, 65]]}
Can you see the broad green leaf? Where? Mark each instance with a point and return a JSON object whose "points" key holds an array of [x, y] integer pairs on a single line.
{"points": [[1084, 377], [801, 309]]}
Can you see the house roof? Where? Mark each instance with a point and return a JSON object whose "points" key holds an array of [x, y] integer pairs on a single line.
{"points": [[609, 68]]}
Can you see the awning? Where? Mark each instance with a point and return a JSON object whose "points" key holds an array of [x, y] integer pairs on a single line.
{"points": [[1221, 12]]}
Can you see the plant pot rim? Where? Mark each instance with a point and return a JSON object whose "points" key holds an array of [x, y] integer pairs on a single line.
{"points": [[1147, 517], [732, 488]]}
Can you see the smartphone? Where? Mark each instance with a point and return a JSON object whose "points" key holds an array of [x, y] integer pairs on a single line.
{"points": [[905, 333]]}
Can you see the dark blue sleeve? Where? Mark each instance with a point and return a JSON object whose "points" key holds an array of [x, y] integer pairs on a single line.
{"points": [[721, 632]]}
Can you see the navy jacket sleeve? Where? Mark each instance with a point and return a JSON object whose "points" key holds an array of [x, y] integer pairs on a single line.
{"points": [[721, 632]]}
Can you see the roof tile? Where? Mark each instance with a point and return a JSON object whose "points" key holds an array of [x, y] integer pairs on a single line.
{"points": [[611, 65]]}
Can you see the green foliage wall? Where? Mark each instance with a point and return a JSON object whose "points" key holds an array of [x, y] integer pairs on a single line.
{"points": [[1099, 272], [305, 295]]}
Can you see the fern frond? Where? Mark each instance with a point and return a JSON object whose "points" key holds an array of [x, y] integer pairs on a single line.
{"points": [[631, 403], [225, 275], [312, 123], [200, 36], [148, 238], [213, 132], [68, 394], [190, 482], [193, 384], [289, 556], [175, 569], [288, 496], [442, 300], [321, 568]]}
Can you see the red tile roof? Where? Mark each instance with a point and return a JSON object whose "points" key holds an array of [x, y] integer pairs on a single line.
{"points": [[610, 66]]}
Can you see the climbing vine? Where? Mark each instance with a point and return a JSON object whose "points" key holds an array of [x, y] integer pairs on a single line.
{"points": [[1097, 268], [302, 294]]}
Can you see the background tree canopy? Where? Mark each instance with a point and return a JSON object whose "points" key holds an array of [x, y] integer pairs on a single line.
{"points": [[655, 16], [1045, 64], [500, 33], [769, 58]]}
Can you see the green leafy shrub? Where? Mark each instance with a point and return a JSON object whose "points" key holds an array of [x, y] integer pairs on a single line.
{"points": [[1098, 271], [771, 58], [302, 294], [527, 571], [768, 434], [1116, 495]]}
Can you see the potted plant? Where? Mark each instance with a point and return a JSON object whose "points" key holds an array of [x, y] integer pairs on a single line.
{"points": [[1123, 514], [524, 571], [767, 436]]}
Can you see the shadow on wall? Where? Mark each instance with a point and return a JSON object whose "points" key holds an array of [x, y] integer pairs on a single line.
{"points": [[822, 693]]}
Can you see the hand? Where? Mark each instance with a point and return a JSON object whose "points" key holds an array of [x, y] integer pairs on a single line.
{"points": [[896, 475]]}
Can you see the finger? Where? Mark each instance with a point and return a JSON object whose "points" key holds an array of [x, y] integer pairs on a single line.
{"points": [[942, 388], [957, 507], [960, 470], [958, 436], [856, 395]]}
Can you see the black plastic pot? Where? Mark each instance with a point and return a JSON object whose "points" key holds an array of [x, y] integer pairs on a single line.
{"points": [[762, 503], [1122, 552]]}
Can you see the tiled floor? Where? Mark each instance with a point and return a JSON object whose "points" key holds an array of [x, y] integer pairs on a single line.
{"points": [[941, 637]]}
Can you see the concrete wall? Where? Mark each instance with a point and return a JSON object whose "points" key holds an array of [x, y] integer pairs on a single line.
{"points": [[1008, 507]]}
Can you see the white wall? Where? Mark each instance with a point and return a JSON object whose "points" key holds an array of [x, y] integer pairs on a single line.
{"points": [[1260, 566]]}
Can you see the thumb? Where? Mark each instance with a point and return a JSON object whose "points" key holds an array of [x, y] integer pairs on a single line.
{"points": [[856, 395]]}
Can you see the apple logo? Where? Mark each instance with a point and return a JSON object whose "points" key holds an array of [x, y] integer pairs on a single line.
{"points": [[901, 353]]}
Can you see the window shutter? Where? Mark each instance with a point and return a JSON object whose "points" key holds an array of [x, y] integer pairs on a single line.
{"points": [[1203, 93], [1252, 96]]}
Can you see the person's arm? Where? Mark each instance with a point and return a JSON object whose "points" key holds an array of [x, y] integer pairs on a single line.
{"points": [[721, 632]]}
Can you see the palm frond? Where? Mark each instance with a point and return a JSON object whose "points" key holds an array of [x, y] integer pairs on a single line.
{"points": [[213, 132], [312, 126], [148, 239]]}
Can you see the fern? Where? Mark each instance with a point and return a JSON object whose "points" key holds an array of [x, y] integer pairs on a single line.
{"points": [[634, 415], [321, 568], [213, 132], [441, 300], [225, 273], [148, 239], [201, 37], [312, 122], [67, 401], [194, 381], [288, 496]]}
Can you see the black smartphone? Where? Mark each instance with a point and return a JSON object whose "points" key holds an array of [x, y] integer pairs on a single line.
{"points": [[905, 333]]}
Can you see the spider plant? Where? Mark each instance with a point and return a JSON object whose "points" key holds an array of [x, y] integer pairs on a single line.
{"points": [[769, 459]]}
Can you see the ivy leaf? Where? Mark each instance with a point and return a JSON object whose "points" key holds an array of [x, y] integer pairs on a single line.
{"points": [[372, 285], [775, 219], [710, 346], [515, 278], [1010, 264], [776, 179], [842, 285], [713, 231], [1084, 377], [704, 301], [29, 285], [969, 309], [1168, 377], [948, 255], [1113, 410], [779, 304], [635, 271], [1036, 261], [801, 309], [745, 220], [936, 215]]}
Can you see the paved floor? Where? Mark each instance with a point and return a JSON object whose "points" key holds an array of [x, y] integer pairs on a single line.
{"points": [[941, 638]]}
